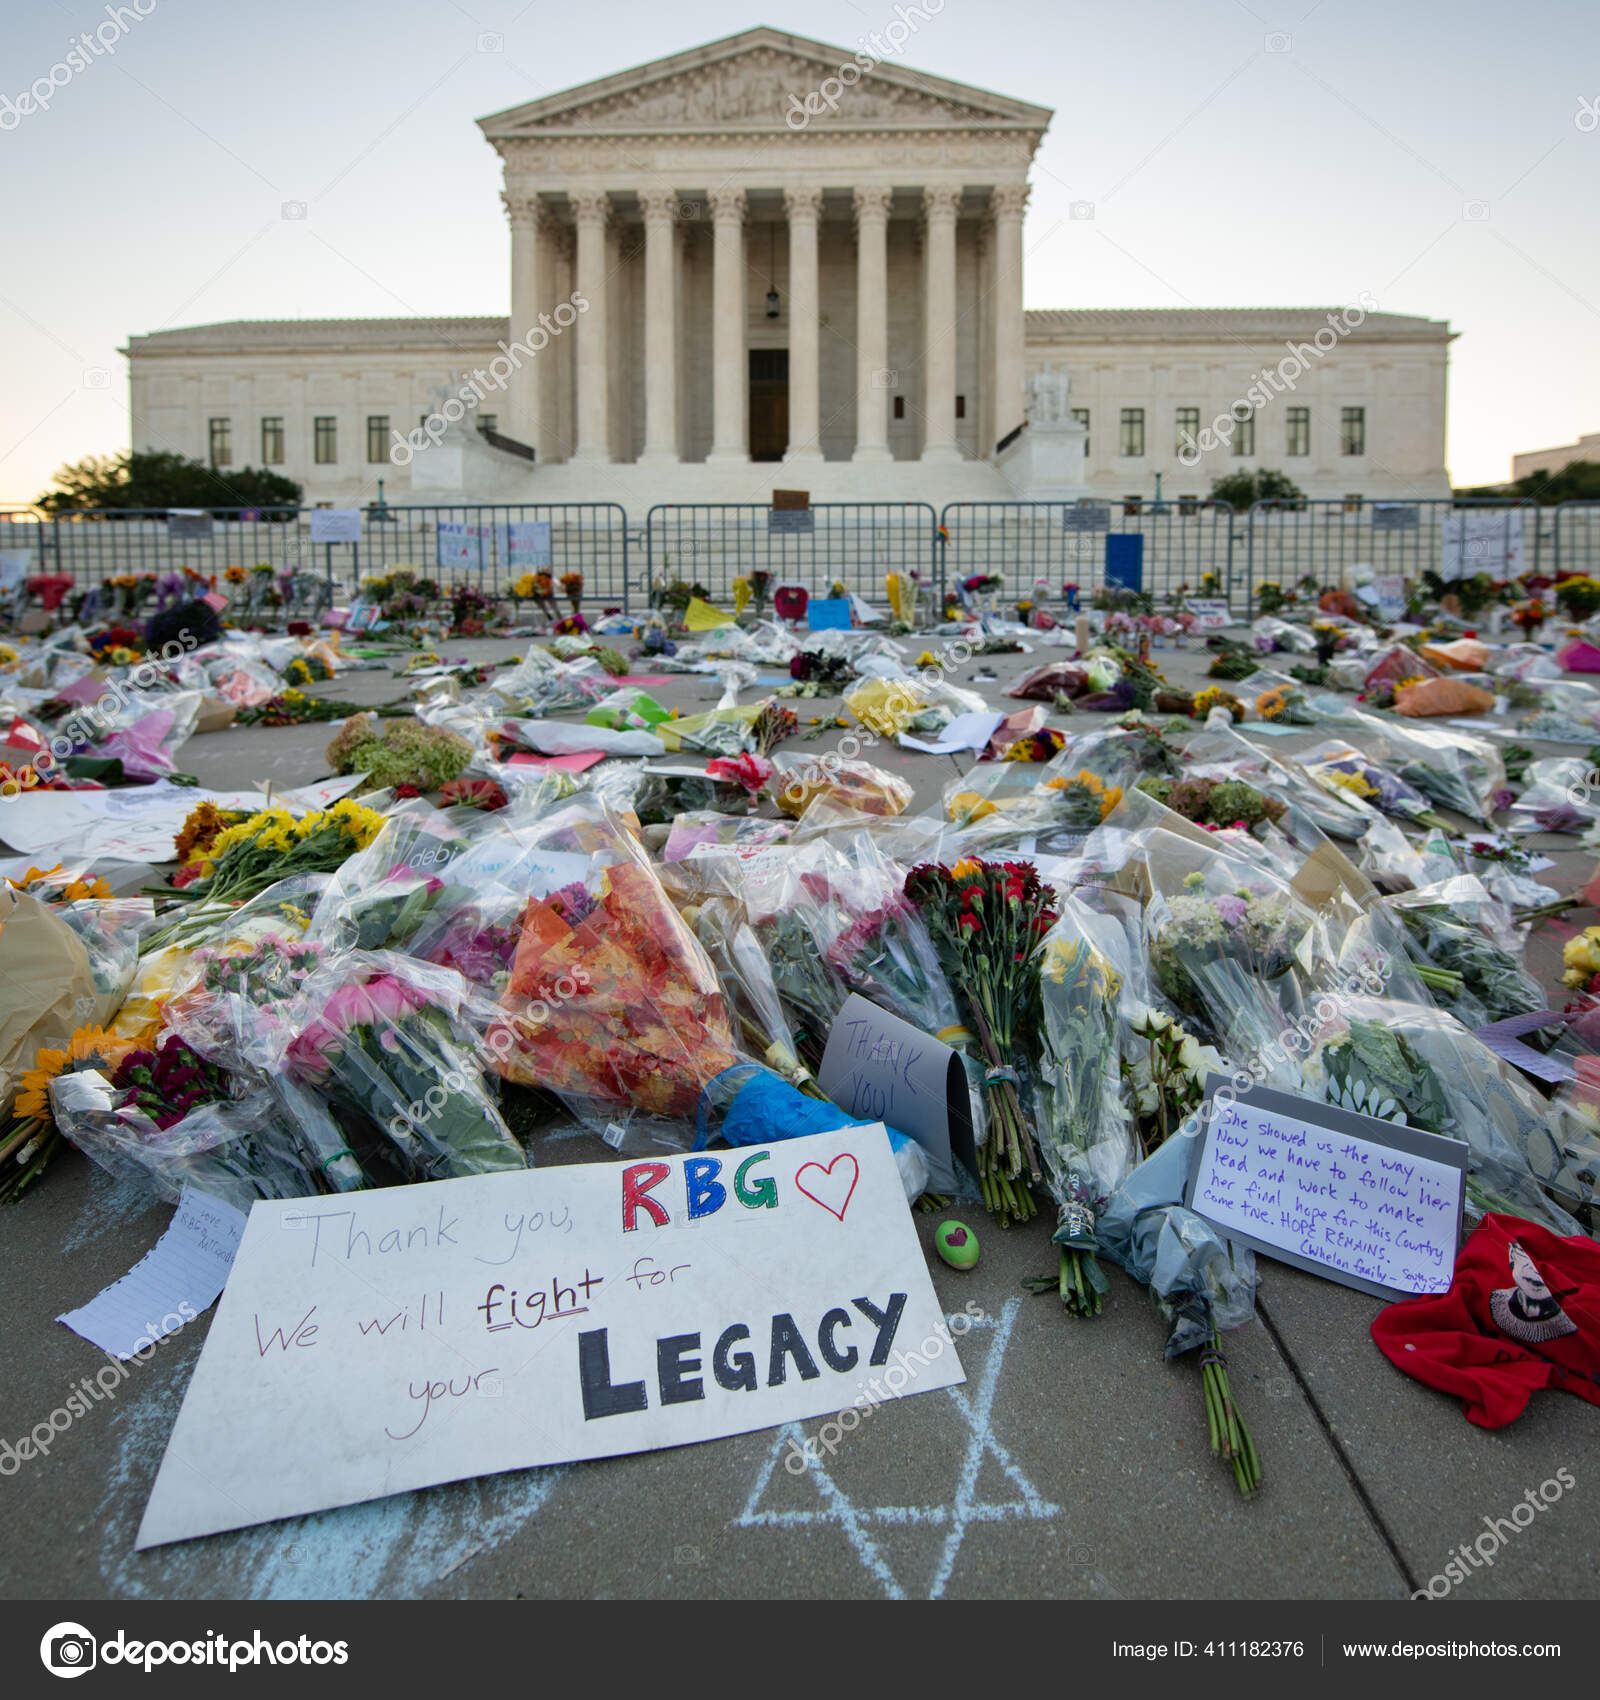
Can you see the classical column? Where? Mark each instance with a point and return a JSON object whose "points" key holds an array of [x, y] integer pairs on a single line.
{"points": [[873, 380], [660, 210], [1007, 202], [728, 358], [528, 232], [591, 209], [939, 354], [804, 207]]}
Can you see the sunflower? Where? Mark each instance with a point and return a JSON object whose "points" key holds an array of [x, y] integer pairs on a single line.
{"points": [[89, 1048], [33, 877], [95, 888]]}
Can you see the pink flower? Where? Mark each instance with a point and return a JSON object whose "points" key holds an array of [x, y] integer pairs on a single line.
{"points": [[1232, 909], [379, 1004], [750, 771]]}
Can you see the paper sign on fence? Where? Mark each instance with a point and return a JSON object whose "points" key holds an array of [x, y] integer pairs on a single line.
{"points": [[1371, 1204], [370, 1343], [336, 525]]}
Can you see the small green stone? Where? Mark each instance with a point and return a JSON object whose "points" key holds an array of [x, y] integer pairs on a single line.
{"points": [[957, 1245]]}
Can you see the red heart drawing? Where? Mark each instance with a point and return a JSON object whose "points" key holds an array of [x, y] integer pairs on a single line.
{"points": [[855, 1175]]}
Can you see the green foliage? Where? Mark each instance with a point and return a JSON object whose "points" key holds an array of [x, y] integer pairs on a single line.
{"points": [[1579, 481], [1242, 489], [158, 479]]}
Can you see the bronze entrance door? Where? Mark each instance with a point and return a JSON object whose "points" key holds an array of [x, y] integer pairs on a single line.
{"points": [[769, 403]]}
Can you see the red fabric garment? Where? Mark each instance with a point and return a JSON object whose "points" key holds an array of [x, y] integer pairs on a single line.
{"points": [[1479, 1340]]}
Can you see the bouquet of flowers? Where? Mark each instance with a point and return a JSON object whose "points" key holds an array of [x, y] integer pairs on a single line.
{"points": [[1216, 803], [1455, 769], [32, 1139], [400, 752], [1083, 1126], [1202, 1284], [384, 1038], [1451, 936], [1083, 800], [989, 921], [245, 859], [725, 933], [1402, 1062], [1285, 705], [572, 589], [645, 1025], [1338, 768], [1228, 962], [772, 724]]}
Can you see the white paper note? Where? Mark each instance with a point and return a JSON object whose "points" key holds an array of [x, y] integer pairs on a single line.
{"points": [[965, 732], [171, 1285]]}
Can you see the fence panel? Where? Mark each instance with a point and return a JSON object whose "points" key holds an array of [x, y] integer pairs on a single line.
{"points": [[1575, 538], [713, 543], [1065, 543], [1320, 540], [488, 546]]}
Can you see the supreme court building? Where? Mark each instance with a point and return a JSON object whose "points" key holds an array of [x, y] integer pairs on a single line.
{"points": [[768, 261]]}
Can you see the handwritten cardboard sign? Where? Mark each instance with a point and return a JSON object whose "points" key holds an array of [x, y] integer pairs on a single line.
{"points": [[881, 1068], [375, 1342], [1372, 1204]]}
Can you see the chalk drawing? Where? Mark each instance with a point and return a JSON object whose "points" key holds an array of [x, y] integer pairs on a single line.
{"points": [[112, 1202], [395, 1548], [976, 1404]]}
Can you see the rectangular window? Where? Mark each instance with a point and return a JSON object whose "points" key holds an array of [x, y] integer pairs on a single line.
{"points": [[1081, 414], [961, 407], [377, 437], [325, 441], [1244, 434], [1352, 430], [221, 443], [1188, 430], [1352, 501], [488, 421], [1132, 506], [1132, 445], [899, 407], [1299, 428], [272, 441]]}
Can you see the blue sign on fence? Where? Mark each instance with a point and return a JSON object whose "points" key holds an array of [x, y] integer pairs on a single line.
{"points": [[1125, 560], [791, 519], [1086, 516], [829, 613]]}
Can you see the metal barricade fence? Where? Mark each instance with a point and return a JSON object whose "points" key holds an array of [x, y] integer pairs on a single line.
{"points": [[1575, 538], [1187, 543], [1297, 543], [489, 547], [859, 543]]}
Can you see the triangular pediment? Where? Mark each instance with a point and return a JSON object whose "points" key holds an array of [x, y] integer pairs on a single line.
{"points": [[761, 80]]}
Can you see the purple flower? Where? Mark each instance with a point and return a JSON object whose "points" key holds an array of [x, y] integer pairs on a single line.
{"points": [[1232, 909]]}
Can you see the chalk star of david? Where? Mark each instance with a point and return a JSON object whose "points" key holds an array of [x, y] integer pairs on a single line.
{"points": [[976, 1405]]}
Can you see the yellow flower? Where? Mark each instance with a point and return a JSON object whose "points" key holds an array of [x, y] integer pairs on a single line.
{"points": [[1581, 957], [927, 659], [1350, 782], [92, 1047], [91, 888], [34, 876], [967, 868], [968, 806]]}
